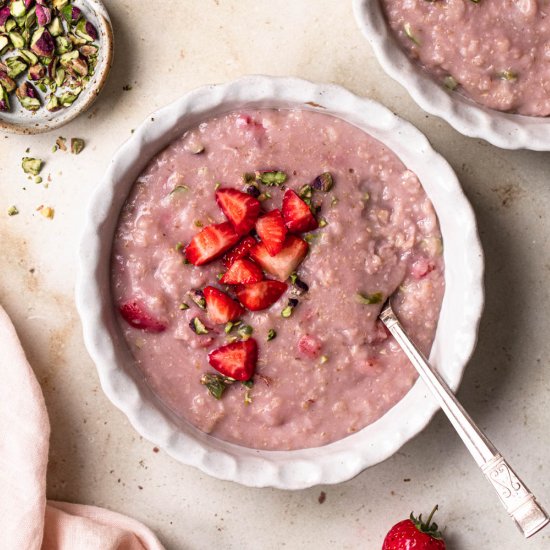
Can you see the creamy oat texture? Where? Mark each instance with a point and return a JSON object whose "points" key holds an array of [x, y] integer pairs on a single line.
{"points": [[497, 51], [382, 233]]}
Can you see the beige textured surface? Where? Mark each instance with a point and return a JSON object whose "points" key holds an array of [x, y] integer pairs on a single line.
{"points": [[97, 458]]}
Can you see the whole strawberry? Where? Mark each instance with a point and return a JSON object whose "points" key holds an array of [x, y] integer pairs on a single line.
{"points": [[414, 534]]}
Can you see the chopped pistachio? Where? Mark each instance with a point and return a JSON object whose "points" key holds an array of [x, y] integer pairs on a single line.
{"points": [[178, 246], [198, 298], [310, 237], [61, 143], [369, 299], [13, 211], [17, 8], [324, 359], [17, 40], [249, 177], [198, 326], [198, 223], [179, 188], [409, 32], [68, 98], [271, 177], [293, 277], [508, 75], [306, 191], [334, 201], [53, 105], [271, 334], [38, 179], [183, 306], [323, 182], [323, 223], [4, 99], [28, 57], [247, 397], [46, 211], [228, 327], [450, 83], [77, 146], [216, 384], [245, 331], [85, 30], [287, 312], [15, 67], [31, 165], [217, 185]]}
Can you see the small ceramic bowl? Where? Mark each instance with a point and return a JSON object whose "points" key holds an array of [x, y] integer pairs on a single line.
{"points": [[505, 130], [122, 381], [21, 121]]}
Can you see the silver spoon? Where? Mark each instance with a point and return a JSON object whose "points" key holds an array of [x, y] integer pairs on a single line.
{"points": [[519, 502]]}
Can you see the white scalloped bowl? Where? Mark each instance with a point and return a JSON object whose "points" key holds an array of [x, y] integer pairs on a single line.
{"points": [[505, 130], [121, 380]]}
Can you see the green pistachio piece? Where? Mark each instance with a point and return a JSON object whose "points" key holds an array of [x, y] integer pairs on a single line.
{"points": [[29, 57], [409, 32], [56, 27], [324, 359], [17, 8], [183, 306], [68, 98], [10, 25], [369, 299], [271, 177], [89, 50], [41, 86], [60, 4], [62, 45], [13, 211], [59, 76], [198, 326], [324, 182], [76, 40], [17, 40], [287, 312], [216, 384], [29, 103], [83, 31], [15, 67], [67, 57], [306, 191], [245, 331], [7, 83], [323, 222], [508, 75], [271, 334], [31, 165], [77, 146], [3, 41]]}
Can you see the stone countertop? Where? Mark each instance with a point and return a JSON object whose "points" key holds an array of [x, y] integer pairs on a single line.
{"points": [[96, 456]]}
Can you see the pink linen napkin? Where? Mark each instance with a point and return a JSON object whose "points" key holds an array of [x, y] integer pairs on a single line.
{"points": [[27, 521]]}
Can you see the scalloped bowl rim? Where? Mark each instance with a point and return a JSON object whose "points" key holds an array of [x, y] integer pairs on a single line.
{"points": [[505, 130], [339, 461]]}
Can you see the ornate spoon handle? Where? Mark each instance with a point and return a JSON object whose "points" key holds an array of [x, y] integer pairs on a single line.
{"points": [[519, 502]]}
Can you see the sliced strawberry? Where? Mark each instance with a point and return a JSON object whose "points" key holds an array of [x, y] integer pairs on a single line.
{"points": [[236, 360], [241, 209], [272, 230], [285, 263], [211, 243], [296, 213], [257, 296], [240, 251], [220, 307], [242, 272], [135, 313]]}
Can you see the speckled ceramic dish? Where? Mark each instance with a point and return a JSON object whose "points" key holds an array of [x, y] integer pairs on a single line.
{"points": [[506, 130], [21, 121], [122, 381]]}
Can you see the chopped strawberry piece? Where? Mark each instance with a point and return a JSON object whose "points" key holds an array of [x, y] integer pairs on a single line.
{"points": [[211, 243], [242, 272], [236, 360], [421, 268], [220, 307], [286, 261], [241, 209], [309, 346], [272, 230], [240, 251], [135, 314], [257, 296], [296, 213]]}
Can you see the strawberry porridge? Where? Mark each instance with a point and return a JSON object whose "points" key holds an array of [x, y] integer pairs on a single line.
{"points": [[496, 52], [250, 263]]}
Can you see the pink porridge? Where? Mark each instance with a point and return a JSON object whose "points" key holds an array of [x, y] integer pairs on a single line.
{"points": [[250, 263], [497, 52]]}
